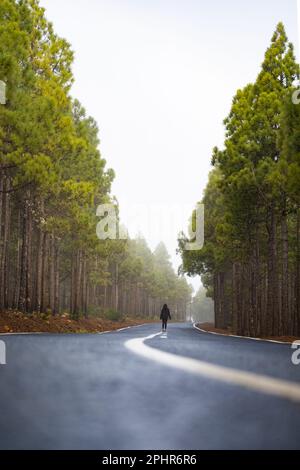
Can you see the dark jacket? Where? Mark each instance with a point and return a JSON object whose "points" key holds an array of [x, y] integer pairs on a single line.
{"points": [[165, 314]]}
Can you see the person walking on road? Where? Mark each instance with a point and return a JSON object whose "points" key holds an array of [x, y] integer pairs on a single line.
{"points": [[165, 316]]}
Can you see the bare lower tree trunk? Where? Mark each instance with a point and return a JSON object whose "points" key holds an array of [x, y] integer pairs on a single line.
{"points": [[236, 292], [45, 279], [29, 257], [105, 297], [285, 320], [116, 306], [220, 303], [78, 284], [85, 288], [272, 302], [56, 281], [24, 258], [52, 274], [2, 186], [39, 270], [4, 241], [86, 291], [297, 280], [18, 261], [7, 229]]}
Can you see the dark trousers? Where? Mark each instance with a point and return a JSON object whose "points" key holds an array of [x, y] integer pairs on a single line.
{"points": [[164, 324]]}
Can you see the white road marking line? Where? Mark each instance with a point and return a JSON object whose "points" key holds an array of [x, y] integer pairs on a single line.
{"points": [[23, 334], [249, 380], [130, 327], [122, 329], [241, 337]]}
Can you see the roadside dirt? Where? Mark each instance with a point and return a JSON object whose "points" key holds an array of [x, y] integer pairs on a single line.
{"points": [[211, 328], [15, 322]]}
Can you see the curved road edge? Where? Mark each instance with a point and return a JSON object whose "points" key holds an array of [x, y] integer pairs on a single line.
{"points": [[240, 337]]}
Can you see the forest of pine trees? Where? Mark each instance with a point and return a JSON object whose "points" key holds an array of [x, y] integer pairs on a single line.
{"points": [[250, 263], [52, 178]]}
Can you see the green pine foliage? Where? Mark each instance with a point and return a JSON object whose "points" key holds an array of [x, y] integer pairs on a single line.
{"points": [[52, 179], [250, 262]]}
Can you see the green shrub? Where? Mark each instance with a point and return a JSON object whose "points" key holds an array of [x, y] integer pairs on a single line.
{"points": [[113, 315]]}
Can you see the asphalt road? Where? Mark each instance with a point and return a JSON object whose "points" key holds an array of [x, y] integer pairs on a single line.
{"points": [[96, 392]]}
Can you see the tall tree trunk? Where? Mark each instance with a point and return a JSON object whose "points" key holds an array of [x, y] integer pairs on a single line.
{"points": [[257, 281], [24, 258], [7, 229], [216, 300], [45, 279], [78, 285], [56, 281], [39, 270], [272, 301], [86, 290], [29, 257], [2, 186], [52, 274], [116, 306], [18, 260], [219, 300], [236, 293], [4, 241], [297, 280], [285, 320]]}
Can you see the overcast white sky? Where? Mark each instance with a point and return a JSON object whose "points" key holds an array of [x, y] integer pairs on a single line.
{"points": [[159, 77]]}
